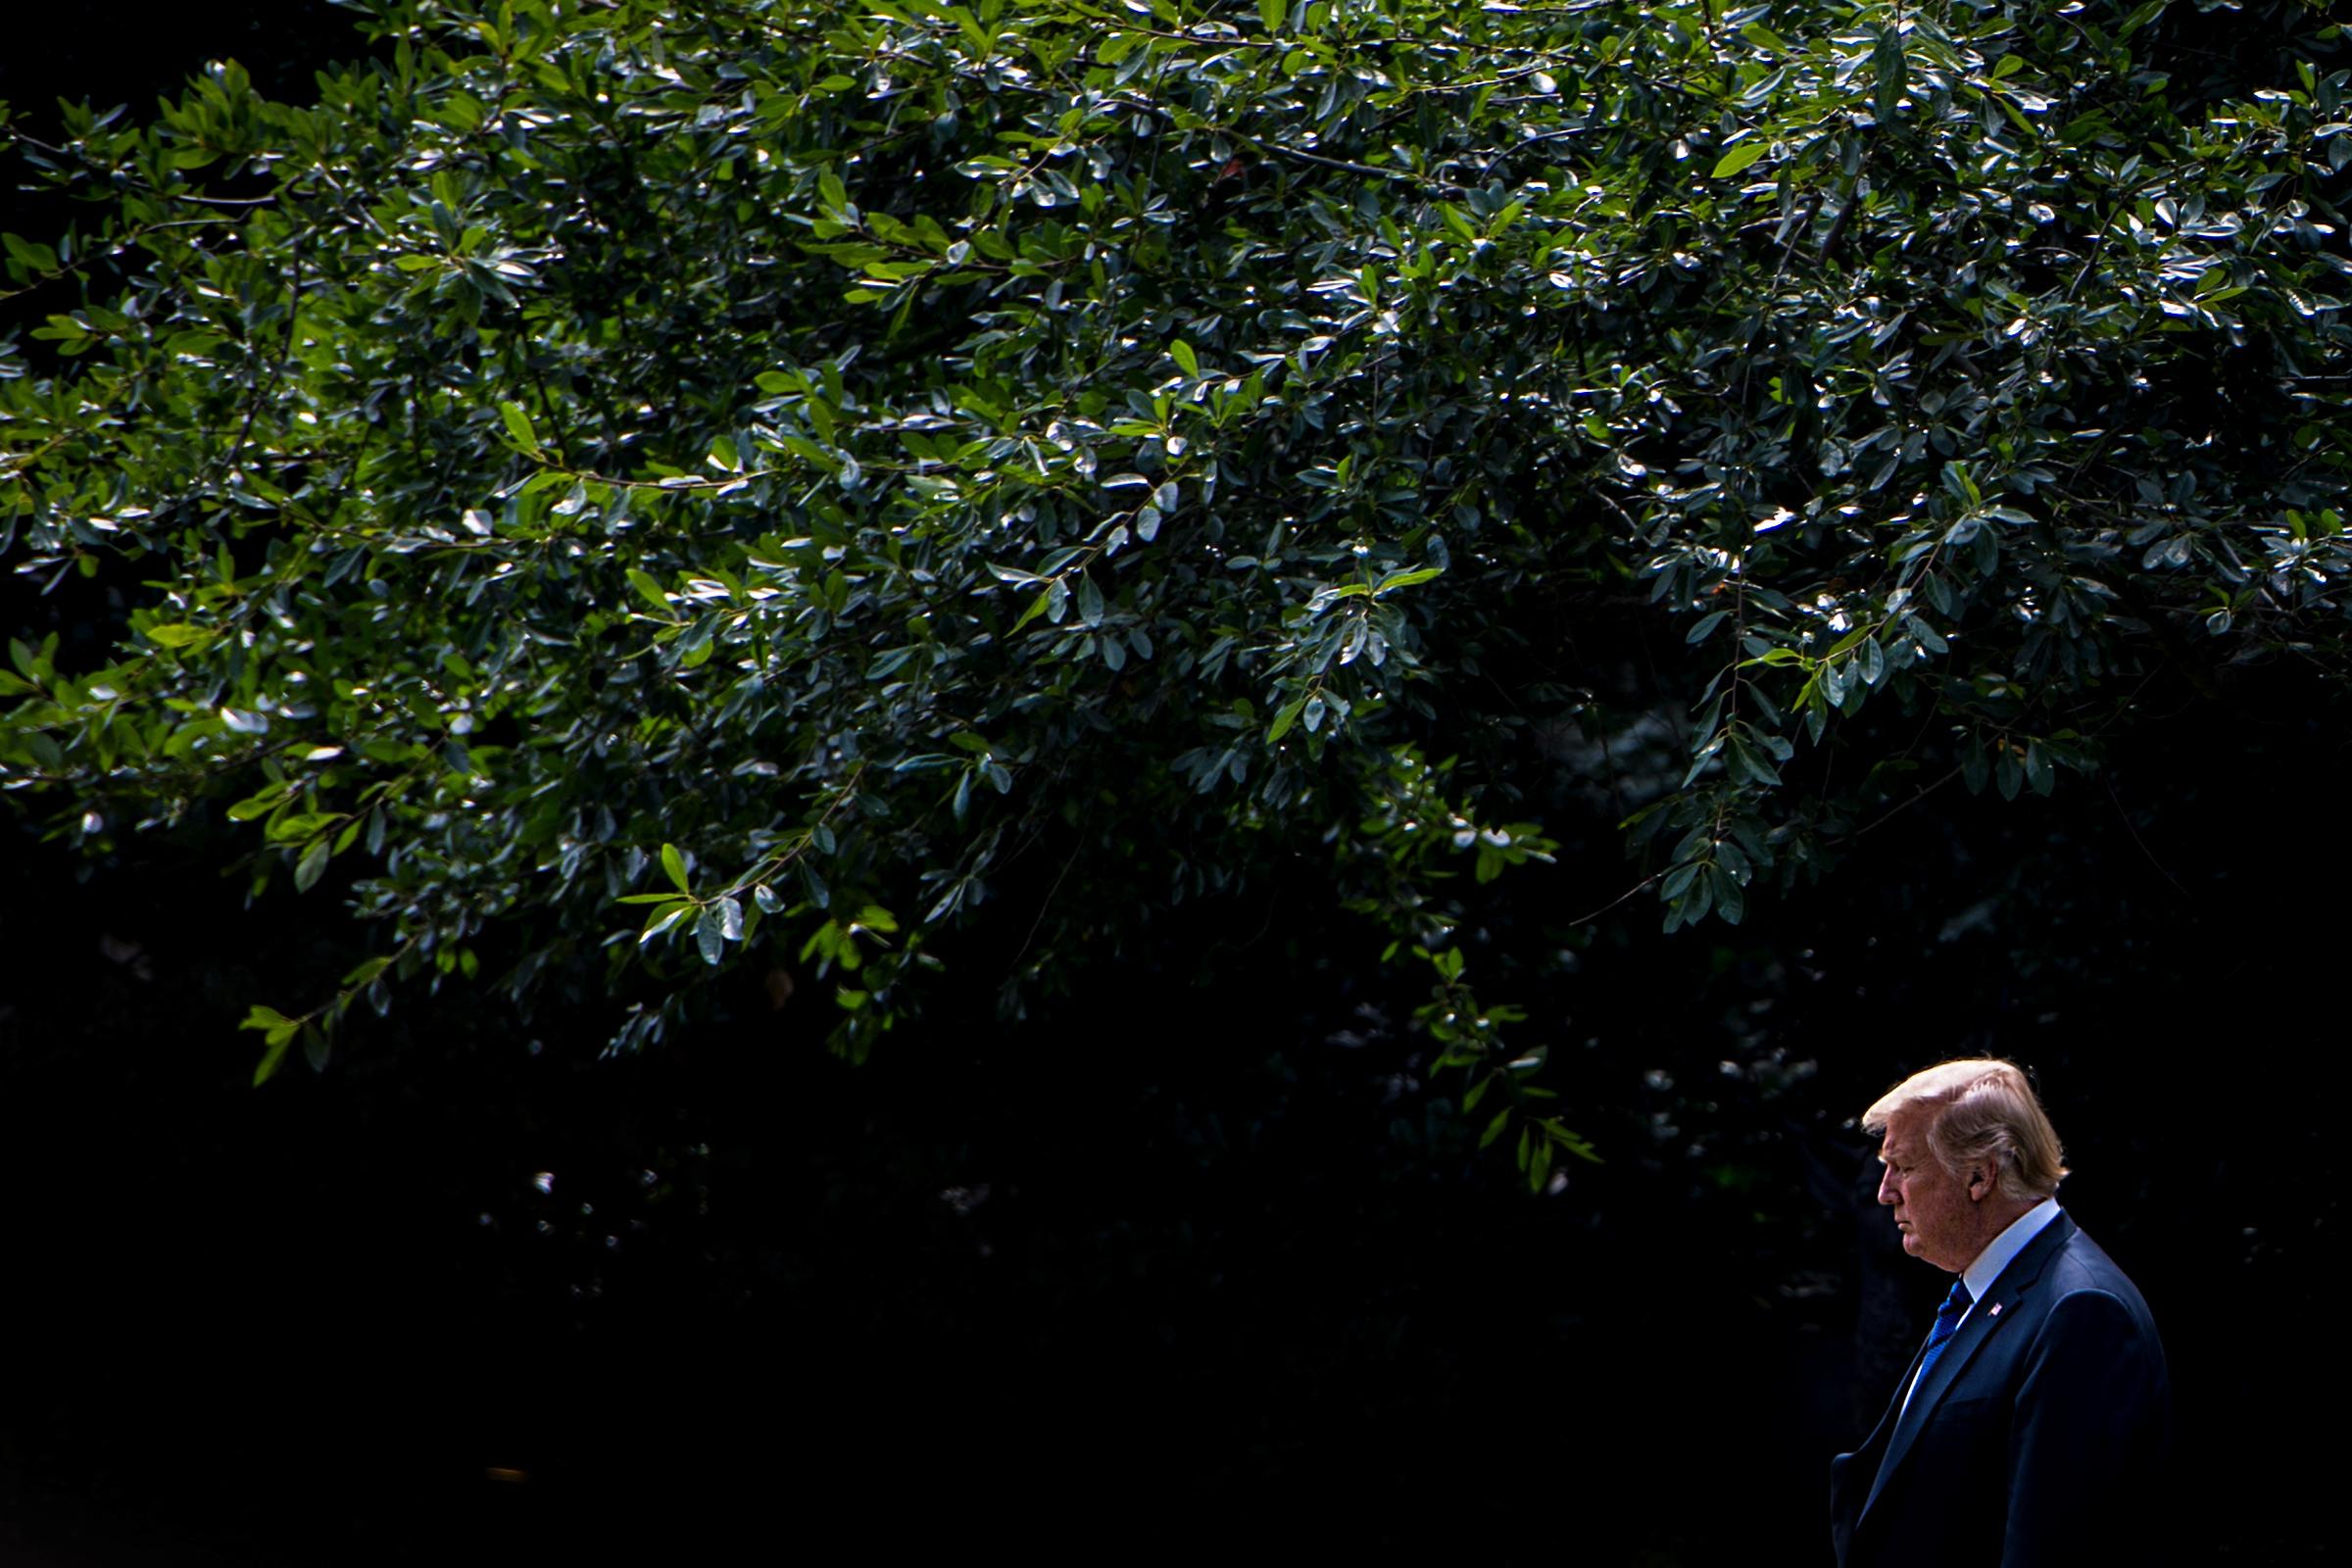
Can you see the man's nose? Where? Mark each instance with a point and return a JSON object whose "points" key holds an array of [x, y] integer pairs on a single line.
{"points": [[1886, 1193]]}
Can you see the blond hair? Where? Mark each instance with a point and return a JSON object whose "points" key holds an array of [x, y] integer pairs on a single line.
{"points": [[1984, 1113]]}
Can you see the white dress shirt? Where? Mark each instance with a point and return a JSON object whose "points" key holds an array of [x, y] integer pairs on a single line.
{"points": [[1980, 1275]]}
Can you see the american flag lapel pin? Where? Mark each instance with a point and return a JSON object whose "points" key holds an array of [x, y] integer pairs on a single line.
{"points": [[1997, 1310]]}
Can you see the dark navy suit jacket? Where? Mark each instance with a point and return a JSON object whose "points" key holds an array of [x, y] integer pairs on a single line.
{"points": [[2042, 1435]]}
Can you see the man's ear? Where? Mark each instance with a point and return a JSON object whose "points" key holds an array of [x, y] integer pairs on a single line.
{"points": [[1979, 1178]]}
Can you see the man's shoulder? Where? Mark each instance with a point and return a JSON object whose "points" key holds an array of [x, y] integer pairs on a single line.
{"points": [[2081, 1266]]}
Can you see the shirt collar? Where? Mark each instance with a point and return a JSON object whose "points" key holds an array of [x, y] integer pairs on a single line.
{"points": [[1980, 1276]]}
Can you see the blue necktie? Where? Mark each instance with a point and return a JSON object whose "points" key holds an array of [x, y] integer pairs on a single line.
{"points": [[1947, 1323]]}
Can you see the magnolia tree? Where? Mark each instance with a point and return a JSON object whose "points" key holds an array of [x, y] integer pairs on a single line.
{"points": [[689, 484]]}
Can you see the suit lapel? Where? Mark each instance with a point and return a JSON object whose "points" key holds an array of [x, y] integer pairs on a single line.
{"points": [[1882, 1436], [1984, 1321]]}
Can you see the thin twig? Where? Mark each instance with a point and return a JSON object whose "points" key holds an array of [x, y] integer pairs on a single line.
{"points": [[1613, 903], [1349, 168], [1925, 790], [1797, 231], [2133, 830], [2090, 259], [1055, 889]]}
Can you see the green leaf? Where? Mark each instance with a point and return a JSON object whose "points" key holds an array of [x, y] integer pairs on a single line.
{"points": [[2141, 17], [1893, 70], [661, 918], [1272, 13], [277, 1033], [1184, 355], [1850, 639], [1037, 607], [2039, 772], [273, 1054], [177, 634], [674, 864], [261, 805], [1407, 579], [649, 590], [519, 426], [313, 864], [1738, 157]]}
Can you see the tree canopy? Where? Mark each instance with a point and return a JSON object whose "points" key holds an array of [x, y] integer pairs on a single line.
{"points": [[686, 483]]}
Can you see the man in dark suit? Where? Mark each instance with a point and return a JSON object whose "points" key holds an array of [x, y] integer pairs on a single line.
{"points": [[2034, 1426]]}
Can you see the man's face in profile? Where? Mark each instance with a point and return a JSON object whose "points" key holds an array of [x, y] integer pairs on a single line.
{"points": [[1930, 1206]]}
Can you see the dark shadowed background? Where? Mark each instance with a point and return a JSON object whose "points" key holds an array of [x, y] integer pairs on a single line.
{"points": [[1200, 1246]]}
